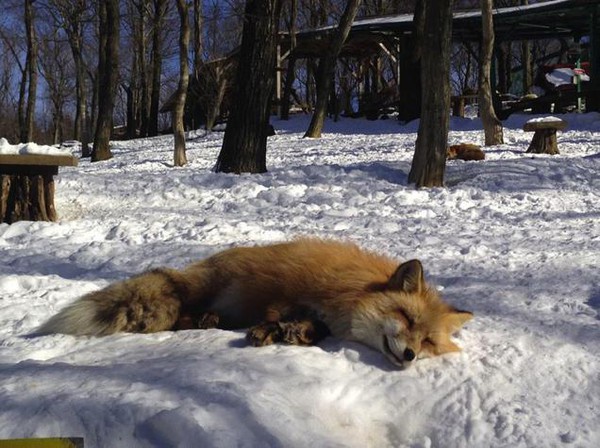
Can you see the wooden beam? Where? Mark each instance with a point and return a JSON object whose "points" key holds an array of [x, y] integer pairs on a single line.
{"points": [[38, 159]]}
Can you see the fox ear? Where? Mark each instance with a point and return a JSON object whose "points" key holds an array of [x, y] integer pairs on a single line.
{"points": [[408, 278], [455, 319]]}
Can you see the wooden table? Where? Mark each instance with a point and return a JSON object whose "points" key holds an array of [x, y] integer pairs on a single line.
{"points": [[27, 186], [544, 137]]}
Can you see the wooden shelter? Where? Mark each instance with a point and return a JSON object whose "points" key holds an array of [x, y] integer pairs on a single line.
{"points": [[391, 34]]}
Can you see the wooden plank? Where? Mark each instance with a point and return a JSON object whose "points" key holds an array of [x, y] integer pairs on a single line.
{"points": [[38, 159], [556, 125]]}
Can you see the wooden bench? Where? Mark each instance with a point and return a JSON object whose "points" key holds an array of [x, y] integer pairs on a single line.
{"points": [[27, 186], [544, 137]]}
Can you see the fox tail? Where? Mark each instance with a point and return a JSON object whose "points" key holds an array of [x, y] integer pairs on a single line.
{"points": [[146, 303]]}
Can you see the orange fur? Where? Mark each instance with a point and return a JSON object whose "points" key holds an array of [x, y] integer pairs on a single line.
{"points": [[465, 151], [356, 294]]}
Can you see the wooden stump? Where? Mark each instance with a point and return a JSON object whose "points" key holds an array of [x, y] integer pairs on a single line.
{"points": [[544, 137], [27, 186]]}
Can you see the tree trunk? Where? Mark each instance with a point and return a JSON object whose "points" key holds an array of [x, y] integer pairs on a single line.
{"points": [[491, 125], [160, 7], [141, 55], [108, 72], [311, 69], [526, 65], [429, 161], [326, 70], [80, 127], [21, 104], [213, 103], [244, 147], [180, 158], [32, 51], [526, 62], [291, 64], [197, 38]]}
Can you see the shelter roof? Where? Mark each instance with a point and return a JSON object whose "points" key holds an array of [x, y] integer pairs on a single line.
{"points": [[550, 19]]}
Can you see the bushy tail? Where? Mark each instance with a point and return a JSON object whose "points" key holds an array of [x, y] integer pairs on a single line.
{"points": [[144, 304]]}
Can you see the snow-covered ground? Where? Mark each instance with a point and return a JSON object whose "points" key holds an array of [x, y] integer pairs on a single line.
{"points": [[515, 239]]}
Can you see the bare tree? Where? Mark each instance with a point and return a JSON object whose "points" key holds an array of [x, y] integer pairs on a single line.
{"points": [[180, 158], [244, 147], [429, 161], [70, 15], [56, 67], [326, 69], [10, 42], [197, 37], [32, 73], [8, 118], [526, 62], [291, 63], [491, 125], [108, 72], [160, 10], [139, 85]]}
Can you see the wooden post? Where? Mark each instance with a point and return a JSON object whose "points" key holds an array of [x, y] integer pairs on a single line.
{"points": [[593, 98], [278, 70], [27, 186]]}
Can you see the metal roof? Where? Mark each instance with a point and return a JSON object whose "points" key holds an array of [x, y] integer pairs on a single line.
{"points": [[550, 19]]}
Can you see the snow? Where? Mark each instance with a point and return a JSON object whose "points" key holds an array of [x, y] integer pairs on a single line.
{"points": [[397, 19], [31, 148], [563, 76], [548, 119], [514, 238]]}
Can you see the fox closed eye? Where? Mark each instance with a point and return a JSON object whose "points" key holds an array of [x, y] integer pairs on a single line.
{"points": [[404, 318], [428, 342]]}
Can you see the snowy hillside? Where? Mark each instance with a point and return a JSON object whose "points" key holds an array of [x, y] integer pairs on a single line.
{"points": [[515, 239]]}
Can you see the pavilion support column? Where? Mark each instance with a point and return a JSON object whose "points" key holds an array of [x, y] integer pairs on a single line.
{"points": [[278, 70], [410, 81], [593, 99]]}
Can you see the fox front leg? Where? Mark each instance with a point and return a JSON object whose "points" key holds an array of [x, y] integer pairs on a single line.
{"points": [[204, 321], [304, 332], [294, 332], [266, 333]]}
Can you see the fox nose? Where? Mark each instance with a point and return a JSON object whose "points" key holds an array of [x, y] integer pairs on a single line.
{"points": [[409, 355]]}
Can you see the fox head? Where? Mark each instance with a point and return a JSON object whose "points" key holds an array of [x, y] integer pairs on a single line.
{"points": [[407, 319]]}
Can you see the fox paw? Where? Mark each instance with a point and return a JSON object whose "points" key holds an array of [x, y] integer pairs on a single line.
{"points": [[265, 334], [208, 320], [304, 332]]}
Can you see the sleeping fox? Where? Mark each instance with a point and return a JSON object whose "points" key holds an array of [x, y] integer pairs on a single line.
{"points": [[296, 292]]}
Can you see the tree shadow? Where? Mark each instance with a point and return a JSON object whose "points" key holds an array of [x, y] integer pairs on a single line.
{"points": [[91, 416], [594, 301]]}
